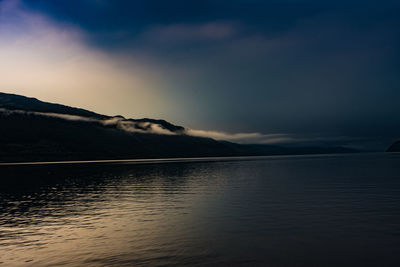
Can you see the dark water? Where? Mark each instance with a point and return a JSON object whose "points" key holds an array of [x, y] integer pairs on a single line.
{"points": [[277, 211]]}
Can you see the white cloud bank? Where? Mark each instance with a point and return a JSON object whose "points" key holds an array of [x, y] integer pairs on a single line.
{"points": [[119, 122], [156, 128], [245, 138]]}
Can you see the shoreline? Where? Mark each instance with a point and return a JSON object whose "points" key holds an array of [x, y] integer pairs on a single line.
{"points": [[179, 159]]}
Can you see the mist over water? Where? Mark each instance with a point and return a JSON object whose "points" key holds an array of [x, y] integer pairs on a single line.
{"points": [[339, 210]]}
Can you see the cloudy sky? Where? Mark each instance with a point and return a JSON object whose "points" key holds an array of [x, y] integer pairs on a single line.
{"points": [[256, 71]]}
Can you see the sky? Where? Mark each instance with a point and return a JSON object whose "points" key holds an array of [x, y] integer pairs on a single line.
{"points": [[290, 71]]}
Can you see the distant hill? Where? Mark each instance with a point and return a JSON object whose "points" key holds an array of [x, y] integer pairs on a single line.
{"points": [[395, 147], [32, 130], [18, 102]]}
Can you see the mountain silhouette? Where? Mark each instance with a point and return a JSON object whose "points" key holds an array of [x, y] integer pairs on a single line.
{"points": [[395, 147], [33, 130]]}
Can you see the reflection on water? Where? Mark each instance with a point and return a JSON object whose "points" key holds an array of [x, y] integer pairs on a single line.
{"points": [[278, 211]]}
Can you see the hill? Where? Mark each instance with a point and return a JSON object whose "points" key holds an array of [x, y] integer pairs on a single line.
{"points": [[33, 130], [395, 147]]}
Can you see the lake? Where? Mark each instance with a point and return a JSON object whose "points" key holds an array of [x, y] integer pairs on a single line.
{"points": [[331, 210]]}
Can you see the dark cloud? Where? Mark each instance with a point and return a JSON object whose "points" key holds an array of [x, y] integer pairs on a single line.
{"points": [[296, 67]]}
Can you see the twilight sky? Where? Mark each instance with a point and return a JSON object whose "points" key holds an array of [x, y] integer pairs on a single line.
{"points": [[278, 71]]}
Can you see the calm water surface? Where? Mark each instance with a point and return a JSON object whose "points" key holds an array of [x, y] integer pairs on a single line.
{"points": [[341, 210]]}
